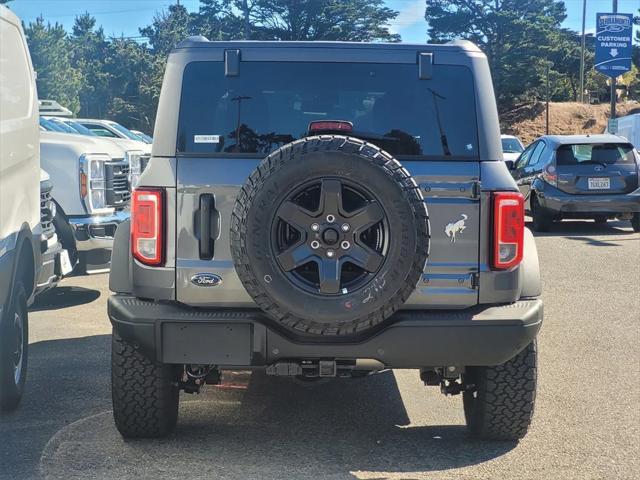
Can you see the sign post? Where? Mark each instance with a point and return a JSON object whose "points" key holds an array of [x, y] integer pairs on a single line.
{"points": [[613, 47]]}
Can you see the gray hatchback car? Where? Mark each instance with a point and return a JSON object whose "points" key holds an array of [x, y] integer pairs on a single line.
{"points": [[579, 176]]}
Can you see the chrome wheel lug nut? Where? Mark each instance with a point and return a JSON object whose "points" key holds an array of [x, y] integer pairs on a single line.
{"points": [[315, 244], [330, 253], [345, 245], [315, 227], [345, 227], [331, 218]]}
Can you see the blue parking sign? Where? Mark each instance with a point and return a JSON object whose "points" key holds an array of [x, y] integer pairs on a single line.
{"points": [[613, 43]]}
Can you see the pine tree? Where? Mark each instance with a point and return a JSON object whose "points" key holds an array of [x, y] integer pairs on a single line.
{"points": [[348, 20], [51, 55], [89, 51], [517, 37], [168, 29]]}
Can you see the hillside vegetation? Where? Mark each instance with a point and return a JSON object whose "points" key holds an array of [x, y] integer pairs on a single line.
{"points": [[528, 121]]}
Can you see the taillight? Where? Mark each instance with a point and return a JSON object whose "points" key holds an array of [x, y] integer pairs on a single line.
{"points": [[550, 174], [147, 226], [508, 229]]}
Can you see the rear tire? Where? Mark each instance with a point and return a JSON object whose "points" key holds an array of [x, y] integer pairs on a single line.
{"points": [[14, 344], [541, 220], [601, 220], [144, 392], [502, 403], [635, 222]]}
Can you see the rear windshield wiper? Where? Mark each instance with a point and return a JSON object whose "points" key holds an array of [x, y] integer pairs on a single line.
{"points": [[443, 136]]}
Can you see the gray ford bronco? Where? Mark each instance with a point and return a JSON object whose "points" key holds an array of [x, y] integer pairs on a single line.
{"points": [[326, 210]]}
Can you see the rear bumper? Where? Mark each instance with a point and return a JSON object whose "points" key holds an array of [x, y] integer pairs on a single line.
{"points": [[559, 202], [172, 333]]}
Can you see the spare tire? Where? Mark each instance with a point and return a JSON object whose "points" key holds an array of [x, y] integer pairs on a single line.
{"points": [[329, 235]]}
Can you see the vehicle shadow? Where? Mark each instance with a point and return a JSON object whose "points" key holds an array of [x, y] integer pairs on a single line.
{"points": [[63, 297], [337, 428], [274, 428]]}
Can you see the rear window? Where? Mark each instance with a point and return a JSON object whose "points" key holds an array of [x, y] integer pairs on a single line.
{"points": [[99, 130], [272, 103], [607, 153], [125, 131], [511, 145], [80, 128]]}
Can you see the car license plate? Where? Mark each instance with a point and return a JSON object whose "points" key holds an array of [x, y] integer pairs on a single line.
{"points": [[65, 263], [599, 183]]}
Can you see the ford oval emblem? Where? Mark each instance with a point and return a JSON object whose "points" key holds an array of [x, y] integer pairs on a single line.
{"points": [[206, 279]]}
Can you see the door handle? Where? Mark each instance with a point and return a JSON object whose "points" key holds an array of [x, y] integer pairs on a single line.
{"points": [[207, 208]]}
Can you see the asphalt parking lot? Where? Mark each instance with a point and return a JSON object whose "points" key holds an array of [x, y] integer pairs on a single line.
{"points": [[587, 423]]}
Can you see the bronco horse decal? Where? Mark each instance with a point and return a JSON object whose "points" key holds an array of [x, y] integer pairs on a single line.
{"points": [[454, 228]]}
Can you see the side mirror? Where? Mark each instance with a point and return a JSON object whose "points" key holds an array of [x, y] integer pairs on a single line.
{"points": [[511, 165]]}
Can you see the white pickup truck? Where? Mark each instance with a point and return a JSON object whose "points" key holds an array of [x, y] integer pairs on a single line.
{"points": [[91, 190], [137, 151]]}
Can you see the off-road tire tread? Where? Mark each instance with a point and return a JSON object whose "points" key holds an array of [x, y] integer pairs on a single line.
{"points": [[506, 397], [144, 392], [292, 152]]}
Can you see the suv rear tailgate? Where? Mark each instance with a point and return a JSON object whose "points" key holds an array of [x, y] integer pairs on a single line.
{"points": [[451, 192], [596, 169]]}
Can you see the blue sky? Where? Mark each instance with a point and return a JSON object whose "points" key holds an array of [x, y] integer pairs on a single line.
{"points": [[125, 16]]}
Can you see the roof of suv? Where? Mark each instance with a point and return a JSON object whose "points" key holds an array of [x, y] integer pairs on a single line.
{"points": [[202, 42], [558, 140]]}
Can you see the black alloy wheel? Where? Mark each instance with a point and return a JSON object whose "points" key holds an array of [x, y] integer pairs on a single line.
{"points": [[330, 236]]}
